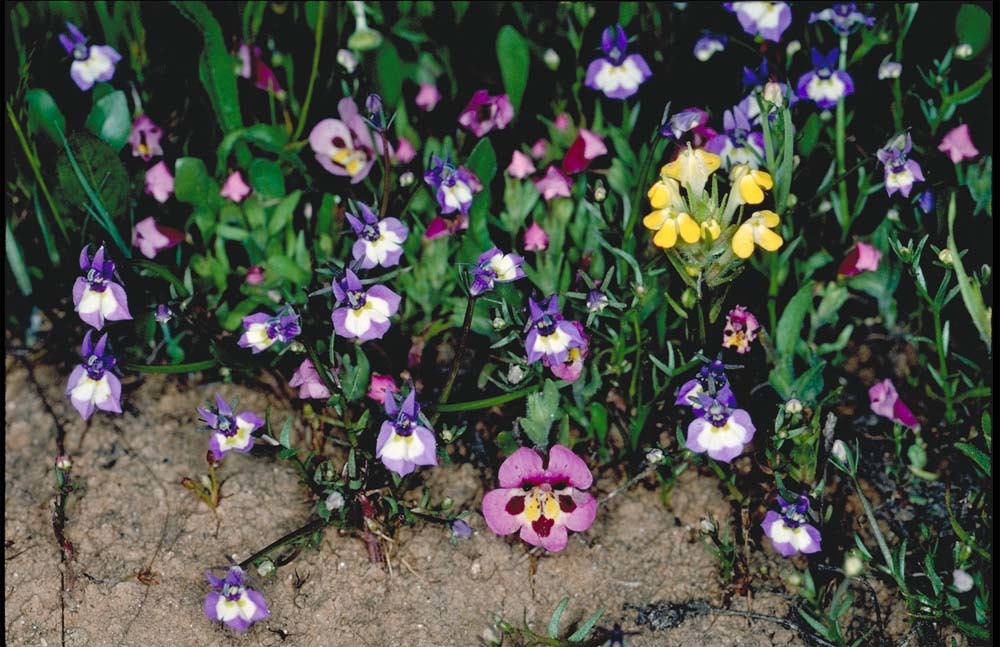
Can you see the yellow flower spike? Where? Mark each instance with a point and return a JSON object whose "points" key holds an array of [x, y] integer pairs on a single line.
{"points": [[692, 168], [668, 223], [757, 231], [751, 183], [664, 193]]}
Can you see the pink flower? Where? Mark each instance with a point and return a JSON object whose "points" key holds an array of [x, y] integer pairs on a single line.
{"points": [[405, 152], [572, 368], [862, 258], [309, 382], [555, 184], [484, 113], [344, 146], [587, 147], [145, 138], [255, 275], [151, 238], [741, 329], [543, 502], [444, 226], [380, 386], [535, 238], [253, 67], [539, 148], [235, 189], [159, 182], [958, 144], [886, 403], [428, 96], [520, 166], [562, 122]]}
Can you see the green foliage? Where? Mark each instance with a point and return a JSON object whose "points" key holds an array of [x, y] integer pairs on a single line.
{"points": [[110, 119], [514, 58], [542, 411], [44, 115]]}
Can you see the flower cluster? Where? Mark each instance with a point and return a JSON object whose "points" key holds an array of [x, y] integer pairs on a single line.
{"points": [[720, 429]]}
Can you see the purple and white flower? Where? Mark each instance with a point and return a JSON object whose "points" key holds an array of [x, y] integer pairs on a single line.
{"points": [[91, 63], [889, 69], [711, 380], [708, 45], [843, 18], [380, 242], [96, 297], [901, 173], [365, 313], [232, 603], [789, 531], [453, 187], [92, 385], [494, 267], [484, 113], [230, 432], [739, 144], [261, 330], [403, 443], [825, 84], [720, 430], [309, 383], [550, 336], [145, 138], [769, 20], [571, 369], [543, 502], [618, 75], [344, 146]]}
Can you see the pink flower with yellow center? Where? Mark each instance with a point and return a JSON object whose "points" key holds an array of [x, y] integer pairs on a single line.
{"points": [[741, 330], [344, 146], [543, 502]]}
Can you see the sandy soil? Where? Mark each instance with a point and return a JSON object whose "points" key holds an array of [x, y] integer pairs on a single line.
{"points": [[133, 515]]}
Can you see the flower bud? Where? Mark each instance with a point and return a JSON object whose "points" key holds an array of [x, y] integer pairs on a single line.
{"points": [[963, 51], [792, 200], [335, 501], [892, 214], [689, 298], [460, 528], [793, 407], [265, 568], [945, 257], [551, 59], [792, 47], [839, 451], [406, 179], [499, 323], [297, 347], [654, 456], [962, 581], [515, 374], [706, 526], [187, 483], [853, 564], [824, 206], [63, 463], [600, 192], [347, 60], [773, 94]]}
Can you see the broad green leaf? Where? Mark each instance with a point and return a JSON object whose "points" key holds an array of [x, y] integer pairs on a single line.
{"points": [[288, 269], [110, 120], [266, 178], [44, 115], [269, 138], [193, 185], [541, 413], [283, 213], [101, 167], [390, 71], [483, 164], [515, 59], [355, 375], [972, 27]]}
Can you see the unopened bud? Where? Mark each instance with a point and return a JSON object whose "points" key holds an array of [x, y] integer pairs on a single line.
{"points": [[654, 456], [499, 323], [791, 200], [335, 501], [551, 59], [794, 579], [265, 568], [839, 451], [347, 60], [824, 206], [773, 94], [962, 581], [515, 374], [600, 192], [892, 214], [853, 565], [706, 526], [297, 347], [793, 407], [187, 483], [963, 51], [63, 463], [689, 298], [945, 256], [406, 179], [792, 47]]}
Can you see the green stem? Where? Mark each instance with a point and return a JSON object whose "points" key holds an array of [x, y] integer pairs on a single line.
{"points": [[308, 529], [470, 309], [841, 143], [942, 363], [313, 73], [879, 539], [37, 170], [639, 346], [486, 403], [189, 367]]}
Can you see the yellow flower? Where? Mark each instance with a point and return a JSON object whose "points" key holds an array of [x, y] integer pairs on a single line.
{"points": [[664, 193], [667, 223], [757, 230], [692, 168], [710, 229], [750, 183]]}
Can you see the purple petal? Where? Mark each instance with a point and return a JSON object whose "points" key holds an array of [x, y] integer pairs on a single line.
{"points": [[565, 464], [520, 467]]}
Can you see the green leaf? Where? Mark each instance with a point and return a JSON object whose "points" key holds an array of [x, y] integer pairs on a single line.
{"points": [[44, 115], [288, 269], [193, 185], [978, 456], [90, 176], [810, 135], [972, 295], [16, 260], [169, 369], [483, 164], [389, 69], [267, 137], [556, 615], [283, 213], [972, 27], [286, 434], [541, 413], [110, 120], [356, 375], [789, 328], [266, 178], [514, 58], [583, 630]]}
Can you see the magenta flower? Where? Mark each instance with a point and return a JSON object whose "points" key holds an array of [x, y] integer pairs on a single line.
{"points": [[587, 147], [789, 532], [380, 242], [618, 74], [571, 369], [230, 432], [539, 149], [535, 238], [720, 431], [310, 385], [484, 113], [427, 97], [344, 146], [542, 501], [550, 337], [235, 189], [741, 330], [145, 138], [253, 67], [769, 20], [554, 184], [405, 152], [255, 275], [886, 403], [151, 238], [365, 313], [901, 173], [92, 385], [862, 258], [520, 166], [160, 182], [958, 144], [91, 63], [96, 297], [825, 84], [494, 267], [562, 122], [403, 443], [261, 330], [232, 603], [380, 386]]}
